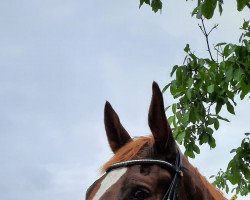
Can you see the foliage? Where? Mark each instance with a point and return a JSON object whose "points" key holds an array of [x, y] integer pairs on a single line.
{"points": [[204, 7], [155, 4], [203, 87], [238, 172]]}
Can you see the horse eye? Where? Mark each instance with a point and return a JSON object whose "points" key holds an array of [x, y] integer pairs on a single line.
{"points": [[141, 194]]}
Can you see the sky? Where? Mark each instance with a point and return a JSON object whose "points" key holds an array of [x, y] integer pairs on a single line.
{"points": [[60, 60]]}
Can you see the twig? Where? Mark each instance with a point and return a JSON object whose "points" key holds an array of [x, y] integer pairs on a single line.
{"points": [[215, 26], [184, 60], [219, 53], [204, 31]]}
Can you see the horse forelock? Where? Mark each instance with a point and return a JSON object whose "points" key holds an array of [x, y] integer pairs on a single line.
{"points": [[129, 151]]}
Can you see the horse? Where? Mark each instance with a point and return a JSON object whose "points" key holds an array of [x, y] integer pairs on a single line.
{"points": [[148, 167]]}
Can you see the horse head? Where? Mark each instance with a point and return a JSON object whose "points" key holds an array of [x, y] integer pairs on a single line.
{"points": [[149, 167]]}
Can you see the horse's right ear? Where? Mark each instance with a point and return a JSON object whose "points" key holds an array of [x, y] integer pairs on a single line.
{"points": [[117, 135]]}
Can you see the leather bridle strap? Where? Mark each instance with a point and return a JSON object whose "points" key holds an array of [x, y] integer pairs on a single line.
{"points": [[176, 169], [171, 192]]}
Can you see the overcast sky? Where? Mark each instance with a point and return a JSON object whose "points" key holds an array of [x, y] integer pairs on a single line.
{"points": [[60, 60]]}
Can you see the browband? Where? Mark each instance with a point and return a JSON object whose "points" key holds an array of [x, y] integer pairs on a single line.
{"points": [[177, 169]]}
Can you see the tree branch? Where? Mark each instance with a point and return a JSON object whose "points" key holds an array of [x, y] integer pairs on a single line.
{"points": [[204, 31]]}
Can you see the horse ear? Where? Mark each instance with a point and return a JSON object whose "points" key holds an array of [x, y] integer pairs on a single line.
{"points": [[158, 122], [117, 135]]}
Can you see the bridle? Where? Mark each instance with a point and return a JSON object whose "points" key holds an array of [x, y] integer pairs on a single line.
{"points": [[170, 193]]}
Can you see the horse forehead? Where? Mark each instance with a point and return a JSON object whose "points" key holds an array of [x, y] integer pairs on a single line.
{"points": [[152, 174], [110, 179]]}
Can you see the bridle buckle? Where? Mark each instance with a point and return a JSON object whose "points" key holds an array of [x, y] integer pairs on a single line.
{"points": [[180, 172]]}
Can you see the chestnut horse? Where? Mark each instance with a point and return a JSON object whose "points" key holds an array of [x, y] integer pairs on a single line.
{"points": [[151, 167]]}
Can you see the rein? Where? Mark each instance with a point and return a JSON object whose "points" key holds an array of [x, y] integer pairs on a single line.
{"points": [[177, 169]]}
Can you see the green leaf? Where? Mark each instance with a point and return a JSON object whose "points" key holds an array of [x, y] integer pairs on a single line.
{"points": [[216, 123], [187, 48], [204, 137], [165, 109], [247, 134], [220, 44], [196, 149], [166, 87], [245, 25], [199, 13], [238, 73], [195, 10], [210, 88], [218, 107], [226, 51], [179, 75], [241, 4], [248, 47], [189, 94], [173, 70], [144, 1], [210, 120], [156, 5], [220, 8], [190, 82], [170, 120], [180, 136], [229, 72], [173, 87], [189, 153], [233, 150], [174, 108], [179, 116], [192, 114], [245, 89], [185, 119], [209, 130], [208, 7], [222, 118], [230, 108], [211, 142]]}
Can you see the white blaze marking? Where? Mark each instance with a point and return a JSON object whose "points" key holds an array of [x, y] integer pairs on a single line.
{"points": [[110, 179]]}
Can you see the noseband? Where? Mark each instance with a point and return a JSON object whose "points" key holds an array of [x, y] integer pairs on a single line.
{"points": [[177, 169]]}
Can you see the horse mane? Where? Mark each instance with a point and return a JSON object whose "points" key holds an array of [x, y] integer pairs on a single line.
{"points": [[205, 184], [215, 192], [129, 151]]}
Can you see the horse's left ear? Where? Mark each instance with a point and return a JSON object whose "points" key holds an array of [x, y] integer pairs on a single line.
{"points": [[158, 123], [117, 135]]}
